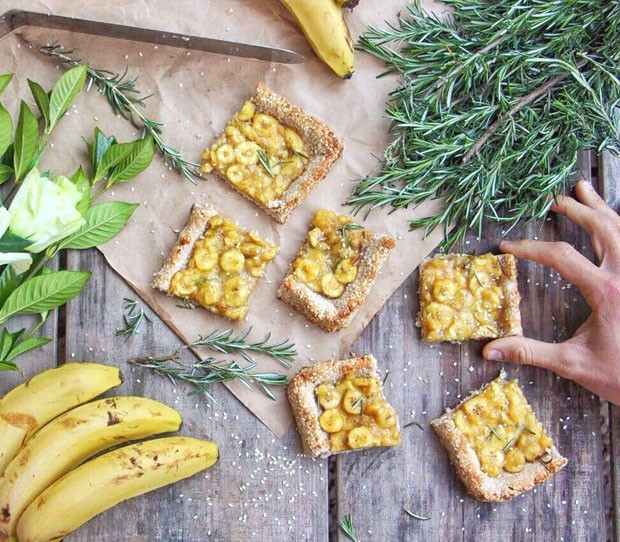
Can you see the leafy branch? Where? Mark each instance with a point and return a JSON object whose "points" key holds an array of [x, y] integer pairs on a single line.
{"points": [[133, 318], [493, 106], [125, 99], [225, 342], [44, 215], [207, 371]]}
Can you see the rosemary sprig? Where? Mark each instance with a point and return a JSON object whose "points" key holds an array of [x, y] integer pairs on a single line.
{"points": [[263, 158], [225, 342], [493, 431], [133, 317], [494, 104], [346, 526], [359, 403], [348, 227], [126, 100], [207, 371], [416, 516]]}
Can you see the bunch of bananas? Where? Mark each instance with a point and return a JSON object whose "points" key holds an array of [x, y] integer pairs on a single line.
{"points": [[322, 21], [50, 429]]}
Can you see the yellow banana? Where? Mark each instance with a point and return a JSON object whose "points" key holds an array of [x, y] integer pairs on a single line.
{"points": [[110, 479], [323, 24], [34, 403], [71, 439]]}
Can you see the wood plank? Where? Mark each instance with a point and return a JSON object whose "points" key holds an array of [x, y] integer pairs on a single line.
{"points": [[609, 168], [260, 488], [570, 507]]}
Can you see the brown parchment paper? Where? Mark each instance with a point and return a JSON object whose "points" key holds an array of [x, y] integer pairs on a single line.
{"points": [[194, 94]]}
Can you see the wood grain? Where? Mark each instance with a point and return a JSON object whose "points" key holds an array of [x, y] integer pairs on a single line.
{"points": [[259, 489], [418, 475]]}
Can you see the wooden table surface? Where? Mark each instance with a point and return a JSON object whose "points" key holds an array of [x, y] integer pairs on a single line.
{"points": [[262, 489]]}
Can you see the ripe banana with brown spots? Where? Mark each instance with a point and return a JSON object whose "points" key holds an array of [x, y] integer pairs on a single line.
{"points": [[71, 439], [110, 479], [28, 407], [322, 21]]}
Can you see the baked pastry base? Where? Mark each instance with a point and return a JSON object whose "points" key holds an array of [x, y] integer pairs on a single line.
{"points": [[336, 314], [510, 319], [480, 485], [322, 145], [302, 398], [182, 250]]}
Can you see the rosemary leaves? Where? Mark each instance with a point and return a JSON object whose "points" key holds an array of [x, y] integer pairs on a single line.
{"points": [[133, 318], [207, 371], [493, 106]]}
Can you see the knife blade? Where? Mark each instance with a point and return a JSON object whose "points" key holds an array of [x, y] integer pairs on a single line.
{"points": [[15, 19]]}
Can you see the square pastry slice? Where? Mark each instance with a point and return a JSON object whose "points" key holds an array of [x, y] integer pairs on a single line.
{"points": [[469, 297], [497, 446], [273, 153], [339, 406], [215, 264], [334, 270]]}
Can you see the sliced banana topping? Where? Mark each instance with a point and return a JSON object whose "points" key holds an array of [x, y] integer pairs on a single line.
{"points": [[331, 420], [359, 437], [331, 286]]}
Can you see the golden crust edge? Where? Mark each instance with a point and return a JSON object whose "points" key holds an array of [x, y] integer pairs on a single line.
{"points": [[336, 315], [300, 394], [326, 150], [512, 322], [181, 251], [467, 466]]}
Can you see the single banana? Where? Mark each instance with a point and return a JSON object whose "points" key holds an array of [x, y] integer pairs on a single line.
{"points": [[37, 401], [110, 479], [323, 24], [71, 439]]}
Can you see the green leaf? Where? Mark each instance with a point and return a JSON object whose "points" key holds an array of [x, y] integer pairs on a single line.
{"points": [[6, 343], [65, 92], [103, 222], [114, 155], [6, 130], [6, 172], [26, 141], [8, 283], [135, 163], [81, 182], [8, 366], [10, 242], [44, 293], [42, 100], [101, 143], [5, 79], [31, 343]]}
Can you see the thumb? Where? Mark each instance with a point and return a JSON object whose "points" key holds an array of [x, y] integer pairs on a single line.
{"points": [[524, 351]]}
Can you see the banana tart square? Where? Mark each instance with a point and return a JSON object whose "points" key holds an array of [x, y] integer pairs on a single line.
{"points": [[215, 264], [466, 297], [334, 270], [496, 444], [273, 153], [339, 406]]}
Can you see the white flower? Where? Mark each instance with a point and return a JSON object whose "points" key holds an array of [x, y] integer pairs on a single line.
{"points": [[19, 261], [44, 211]]}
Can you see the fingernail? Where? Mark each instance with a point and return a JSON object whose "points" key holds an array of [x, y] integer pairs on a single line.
{"points": [[495, 355], [506, 243], [587, 184]]}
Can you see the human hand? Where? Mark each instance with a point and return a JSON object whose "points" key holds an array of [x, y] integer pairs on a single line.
{"points": [[592, 356]]}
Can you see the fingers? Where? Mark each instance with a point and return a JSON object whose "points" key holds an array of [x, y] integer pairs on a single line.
{"points": [[593, 214], [524, 351], [562, 257], [588, 196]]}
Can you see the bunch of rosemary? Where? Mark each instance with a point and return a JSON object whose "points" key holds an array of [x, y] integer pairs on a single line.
{"points": [[493, 105]]}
